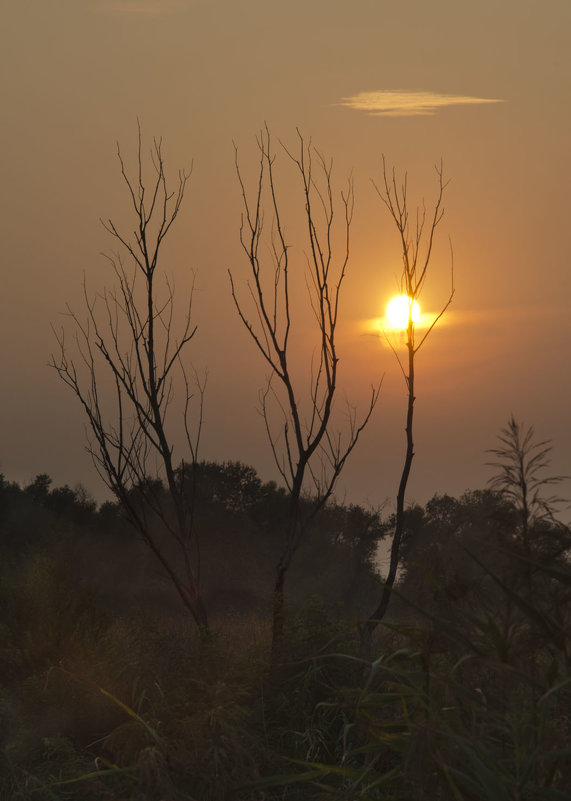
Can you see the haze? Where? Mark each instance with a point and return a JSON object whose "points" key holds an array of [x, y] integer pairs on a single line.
{"points": [[483, 86]]}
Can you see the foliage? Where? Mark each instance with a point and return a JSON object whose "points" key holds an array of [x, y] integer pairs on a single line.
{"points": [[479, 715], [107, 692]]}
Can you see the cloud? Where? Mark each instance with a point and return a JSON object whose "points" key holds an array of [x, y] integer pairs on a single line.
{"points": [[408, 102], [149, 8]]}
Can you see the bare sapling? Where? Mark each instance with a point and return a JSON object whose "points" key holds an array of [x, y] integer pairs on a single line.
{"points": [[309, 451], [416, 237], [124, 359]]}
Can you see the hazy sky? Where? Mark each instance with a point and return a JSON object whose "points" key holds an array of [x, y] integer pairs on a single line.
{"points": [[486, 86]]}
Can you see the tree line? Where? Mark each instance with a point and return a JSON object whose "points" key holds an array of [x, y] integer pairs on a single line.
{"points": [[107, 691], [240, 519]]}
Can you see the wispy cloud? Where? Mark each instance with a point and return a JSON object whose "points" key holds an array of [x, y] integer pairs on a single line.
{"points": [[408, 102], [149, 8]]}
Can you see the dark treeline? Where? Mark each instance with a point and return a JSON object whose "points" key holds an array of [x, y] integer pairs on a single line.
{"points": [[108, 692], [237, 518]]}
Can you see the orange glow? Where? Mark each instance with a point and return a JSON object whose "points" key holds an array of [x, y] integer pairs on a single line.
{"points": [[398, 311]]}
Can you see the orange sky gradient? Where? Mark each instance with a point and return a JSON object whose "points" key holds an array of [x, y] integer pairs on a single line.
{"points": [[484, 86]]}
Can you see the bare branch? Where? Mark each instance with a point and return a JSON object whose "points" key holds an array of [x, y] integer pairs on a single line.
{"points": [[128, 341], [309, 448], [417, 250]]}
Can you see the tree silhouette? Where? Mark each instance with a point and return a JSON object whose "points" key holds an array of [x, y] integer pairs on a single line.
{"points": [[128, 340], [304, 445], [416, 239]]}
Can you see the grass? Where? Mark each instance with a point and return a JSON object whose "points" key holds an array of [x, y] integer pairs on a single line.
{"points": [[469, 703]]}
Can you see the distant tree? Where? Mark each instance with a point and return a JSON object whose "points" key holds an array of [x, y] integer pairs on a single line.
{"points": [[39, 489], [437, 570], [338, 561], [10, 492], [128, 344], [72, 505], [304, 445], [244, 520], [34, 516], [416, 240], [232, 485]]}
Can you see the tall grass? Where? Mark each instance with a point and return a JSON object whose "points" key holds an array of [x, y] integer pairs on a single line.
{"points": [[470, 702], [473, 707]]}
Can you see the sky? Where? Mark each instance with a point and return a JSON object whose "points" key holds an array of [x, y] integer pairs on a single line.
{"points": [[485, 87]]}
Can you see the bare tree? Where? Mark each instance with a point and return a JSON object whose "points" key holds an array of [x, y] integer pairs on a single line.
{"points": [[305, 446], [416, 240], [125, 358]]}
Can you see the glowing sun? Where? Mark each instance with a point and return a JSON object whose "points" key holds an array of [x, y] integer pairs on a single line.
{"points": [[398, 311]]}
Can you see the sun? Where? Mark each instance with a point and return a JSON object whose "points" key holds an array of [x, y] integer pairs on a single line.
{"points": [[398, 311]]}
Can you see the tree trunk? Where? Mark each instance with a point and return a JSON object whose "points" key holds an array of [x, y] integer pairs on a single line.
{"points": [[201, 619], [367, 629], [278, 602]]}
